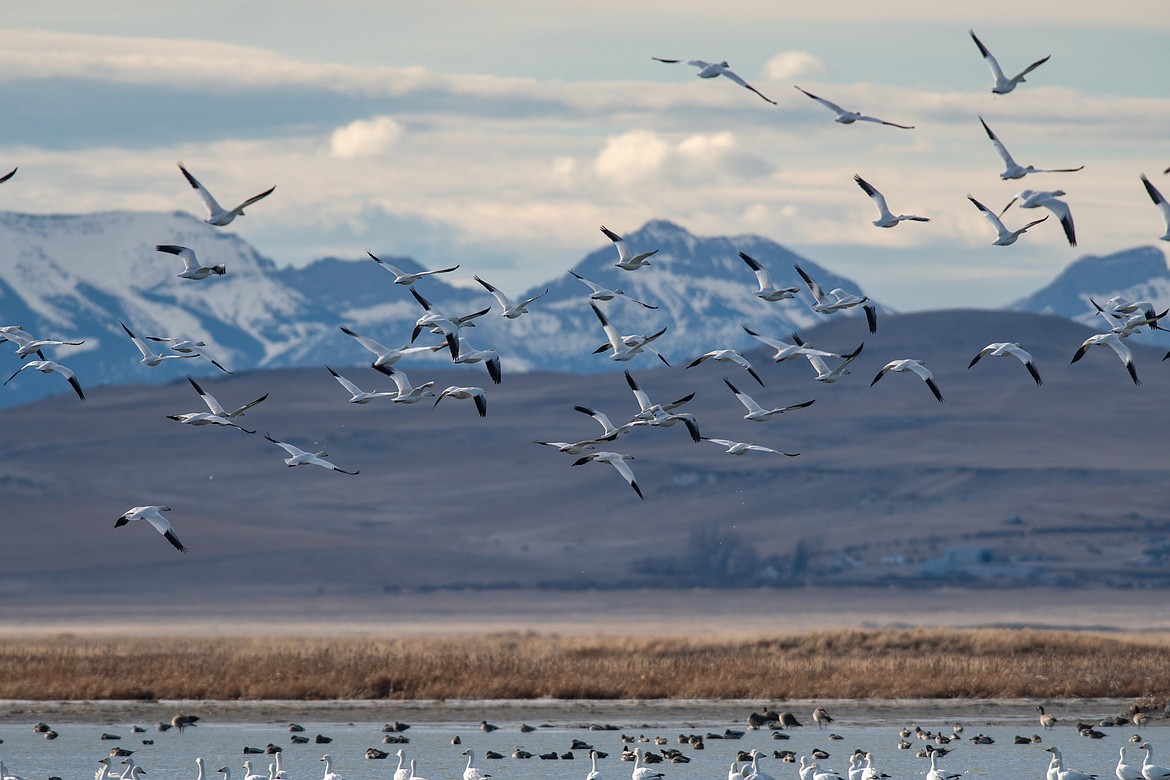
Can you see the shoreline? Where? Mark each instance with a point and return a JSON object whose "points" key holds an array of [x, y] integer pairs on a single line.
{"points": [[557, 712]]}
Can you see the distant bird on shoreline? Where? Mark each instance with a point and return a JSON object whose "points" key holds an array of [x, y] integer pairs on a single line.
{"points": [[709, 70], [216, 214], [152, 514], [1002, 84]]}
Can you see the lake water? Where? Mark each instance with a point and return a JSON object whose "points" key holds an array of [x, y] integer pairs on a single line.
{"points": [[75, 752]]}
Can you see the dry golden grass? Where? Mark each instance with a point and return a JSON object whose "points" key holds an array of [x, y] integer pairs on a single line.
{"points": [[885, 664]]}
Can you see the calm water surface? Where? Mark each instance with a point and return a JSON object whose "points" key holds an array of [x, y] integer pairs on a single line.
{"points": [[75, 753]]}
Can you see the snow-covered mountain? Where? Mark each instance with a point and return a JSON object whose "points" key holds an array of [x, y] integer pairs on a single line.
{"points": [[77, 276], [1139, 274]]}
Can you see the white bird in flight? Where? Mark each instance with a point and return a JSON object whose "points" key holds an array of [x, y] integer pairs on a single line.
{"points": [[1004, 237], [191, 267], [153, 515], [1012, 169], [149, 356], [1049, 199], [510, 311], [816, 360], [8, 175], [28, 344], [618, 461], [186, 347], [383, 355], [216, 214], [600, 293], [1003, 84], [50, 367], [477, 394], [885, 218], [847, 117], [768, 290], [627, 260], [1114, 342], [298, 457], [1004, 349], [709, 70], [915, 366], [742, 448], [1160, 202], [838, 300], [217, 408], [489, 357], [727, 356], [403, 277], [407, 393], [620, 349], [357, 395], [757, 413]]}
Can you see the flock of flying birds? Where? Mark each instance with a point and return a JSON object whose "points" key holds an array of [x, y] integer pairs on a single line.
{"points": [[1124, 317]]}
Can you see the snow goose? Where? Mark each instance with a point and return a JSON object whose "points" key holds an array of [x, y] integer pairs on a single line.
{"points": [[1002, 84], [757, 413], [199, 419], [149, 356], [407, 393], [600, 293], [885, 219], [414, 776], [846, 117], [476, 394], [329, 773], [191, 266], [784, 350], [660, 415], [404, 278], [153, 515], [8, 175], [908, 364], [1003, 237], [633, 340], [1160, 202], [1012, 169], [1063, 773], [1049, 199], [1114, 342], [185, 346], [709, 70], [727, 356], [1004, 349], [217, 409], [618, 461], [1150, 770], [383, 355], [1125, 770], [489, 357], [620, 350], [838, 300], [472, 772], [298, 457], [824, 373], [216, 214], [28, 344], [609, 432], [742, 448], [357, 395], [435, 321], [50, 367], [640, 771], [768, 290], [755, 770], [627, 260], [509, 310]]}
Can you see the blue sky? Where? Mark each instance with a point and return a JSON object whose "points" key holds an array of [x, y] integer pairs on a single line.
{"points": [[502, 134]]}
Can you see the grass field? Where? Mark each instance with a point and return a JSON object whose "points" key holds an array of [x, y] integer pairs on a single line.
{"points": [[880, 664]]}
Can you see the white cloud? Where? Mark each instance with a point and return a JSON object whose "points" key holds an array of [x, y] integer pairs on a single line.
{"points": [[365, 137], [632, 156], [788, 65]]}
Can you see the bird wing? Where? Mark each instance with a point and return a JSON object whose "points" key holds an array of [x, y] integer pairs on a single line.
{"points": [[878, 199], [773, 343], [592, 285], [145, 350], [209, 202], [870, 317], [813, 287], [208, 399], [748, 402], [1000, 149], [615, 338], [619, 462], [735, 77], [499, 296], [187, 255], [826, 103], [371, 345], [619, 242], [240, 208], [990, 215], [640, 394], [996, 71], [864, 118], [289, 448], [348, 385], [8, 175], [392, 269], [1030, 68], [533, 298], [1158, 199], [762, 276]]}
